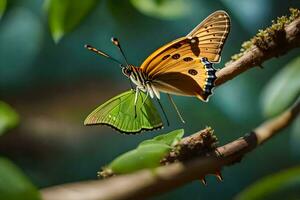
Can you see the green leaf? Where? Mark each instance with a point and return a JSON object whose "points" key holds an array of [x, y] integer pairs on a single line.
{"points": [[165, 9], [3, 4], [282, 90], [65, 15], [147, 155], [14, 185], [169, 139], [283, 185], [8, 118], [121, 114]]}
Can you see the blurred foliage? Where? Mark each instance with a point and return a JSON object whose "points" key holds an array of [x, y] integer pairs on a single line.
{"points": [[2, 7], [13, 183], [295, 137], [8, 118], [164, 9], [147, 155], [282, 90], [54, 87], [21, 39], [282, 185], [64, 16]]}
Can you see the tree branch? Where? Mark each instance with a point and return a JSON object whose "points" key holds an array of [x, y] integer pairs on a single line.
{"points": [[147, 183], [255, 56]]}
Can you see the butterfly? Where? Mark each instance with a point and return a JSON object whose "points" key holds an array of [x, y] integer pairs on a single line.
{"points": [[182, 67]]}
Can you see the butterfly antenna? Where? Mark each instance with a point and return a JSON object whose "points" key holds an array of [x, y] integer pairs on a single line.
{"points": [[93, 49], [116, 42], [163, 111], [175, 107]]}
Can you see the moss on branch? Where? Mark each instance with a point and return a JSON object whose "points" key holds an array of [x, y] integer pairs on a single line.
{"points": [[274, 34]]}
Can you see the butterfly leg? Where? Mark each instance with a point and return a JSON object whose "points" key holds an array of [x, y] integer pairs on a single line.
{"points": [[163, 110], [155, 91], [135, 100], [175, 107], [138, 89], [149, 90]]}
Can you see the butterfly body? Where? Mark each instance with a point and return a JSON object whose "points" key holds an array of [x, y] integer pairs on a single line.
{"points": [[141, 81]]}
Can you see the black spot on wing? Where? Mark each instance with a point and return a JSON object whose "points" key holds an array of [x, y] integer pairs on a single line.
{"points": [[192, 72], [187, 59], [177, 45], [194, 42], [165, 57], [176, 56]]}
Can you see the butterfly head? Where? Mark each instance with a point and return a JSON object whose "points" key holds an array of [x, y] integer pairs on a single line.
{"points": [[127, 71]]}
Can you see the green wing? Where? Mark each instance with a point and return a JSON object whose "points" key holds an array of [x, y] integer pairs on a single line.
{"points": [[119, 113]]}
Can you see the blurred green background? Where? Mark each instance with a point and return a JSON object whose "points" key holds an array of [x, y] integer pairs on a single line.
{"points": [[54, 86]]}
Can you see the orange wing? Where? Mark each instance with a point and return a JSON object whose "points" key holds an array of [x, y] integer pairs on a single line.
{"points": [[208, 37], [195, 78], [212, 33], [176, 67]]}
